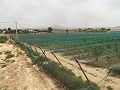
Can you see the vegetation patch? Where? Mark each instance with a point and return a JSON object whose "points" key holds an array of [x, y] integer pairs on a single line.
{"points": [[9, 54], [109, 88], [4, 65], [3, 39], [7, 61], [116, 70], [0, 53], [12, 61], [66, 77]]}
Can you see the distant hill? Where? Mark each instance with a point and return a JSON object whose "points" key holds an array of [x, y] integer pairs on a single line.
{"points": [[115, 28], [61, 27], [118, 26]]}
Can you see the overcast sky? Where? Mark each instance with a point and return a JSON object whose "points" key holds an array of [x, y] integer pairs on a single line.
{"points": [[66, 13]]}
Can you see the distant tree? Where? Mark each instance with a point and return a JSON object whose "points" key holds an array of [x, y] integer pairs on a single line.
{"points": [[9, 29], [4, 29], [67, 31], [80, 30], [49, 29], [26, 31], [103, 29], [108, 29], [18, 31]]}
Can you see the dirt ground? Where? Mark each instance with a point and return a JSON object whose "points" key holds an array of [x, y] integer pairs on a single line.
{"points": [[18, 73], [97, 75]]}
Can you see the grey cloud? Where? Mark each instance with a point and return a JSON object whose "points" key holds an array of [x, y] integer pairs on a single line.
{"points": [[70, 13], [114, 4]]}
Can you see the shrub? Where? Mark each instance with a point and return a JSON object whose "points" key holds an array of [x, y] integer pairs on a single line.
{"points": [[4, 65], [7, 52], [116, 70], [3, 39], [12, 61], [7, 61], [66, 77], [95, 86], [9, 55], [109, 88]]}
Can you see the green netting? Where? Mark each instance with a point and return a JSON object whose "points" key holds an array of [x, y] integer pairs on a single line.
{"points": [[73, 45]]}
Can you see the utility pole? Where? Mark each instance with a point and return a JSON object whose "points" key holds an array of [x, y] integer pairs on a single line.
{"points": [[16, 30]]}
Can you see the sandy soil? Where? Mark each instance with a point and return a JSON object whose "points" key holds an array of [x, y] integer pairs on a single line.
{"points": [[93, 73], [19, 73]]}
